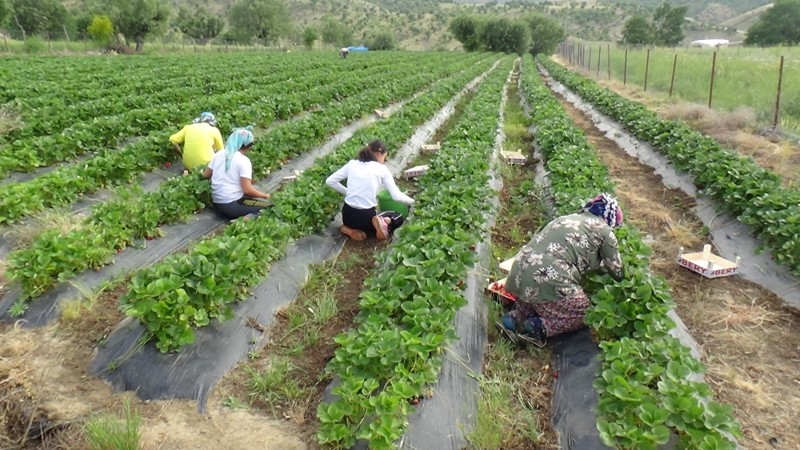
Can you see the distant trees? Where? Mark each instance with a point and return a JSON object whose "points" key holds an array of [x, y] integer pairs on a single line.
{"points": [[137, 20], [199, 25], [381, 40], [101, 29], [778, 25], [267, 20], [637, 31], [37, 17], [5, 13], [546, 33], [310, 35], [665, 28], [466, 29], [534, 33], [335, 32]]}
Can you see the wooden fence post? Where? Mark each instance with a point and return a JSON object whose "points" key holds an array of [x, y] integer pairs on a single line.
{"points": [[599, 51], [711, 86], [589, 61], [672, 79], [646, 69], [778, 97], [608, 58], [625, 69]]}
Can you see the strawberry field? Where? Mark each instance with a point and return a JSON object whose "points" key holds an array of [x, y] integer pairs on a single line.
{"points": [[115, 259]]}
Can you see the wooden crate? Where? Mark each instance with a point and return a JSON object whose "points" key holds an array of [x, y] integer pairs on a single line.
{"points": [[513, 157], [415, 171], [708, 264], [505, 266], [497, 291], [433, 148]]}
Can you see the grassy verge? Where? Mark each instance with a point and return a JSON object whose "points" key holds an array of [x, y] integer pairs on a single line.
{"points": [[514, 406]]}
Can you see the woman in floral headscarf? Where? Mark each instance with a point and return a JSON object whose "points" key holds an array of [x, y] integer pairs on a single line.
{"points": [[231, 174], [200, 139], [547, 273]]}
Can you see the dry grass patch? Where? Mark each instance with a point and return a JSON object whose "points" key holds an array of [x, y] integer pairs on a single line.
{"points": [[49, 220], [10, 118]]}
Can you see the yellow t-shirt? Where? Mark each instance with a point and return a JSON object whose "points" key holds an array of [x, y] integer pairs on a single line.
{"points": [[200, 142]]}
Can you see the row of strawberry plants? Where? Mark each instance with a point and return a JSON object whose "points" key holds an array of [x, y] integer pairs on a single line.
{"points": [[55, 256], [55, 118], [104, 133], [184, 291], [408, 310], [65, 185], [43, 82], [738, 184], [645, 386]]}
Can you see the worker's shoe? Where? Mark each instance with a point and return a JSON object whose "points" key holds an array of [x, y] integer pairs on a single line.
{"points": [[533, 332], [381, 228], [352, 233], [506, 334]]}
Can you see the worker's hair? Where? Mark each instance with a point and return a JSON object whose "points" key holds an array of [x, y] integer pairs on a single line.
{"points": [[368, 153]]}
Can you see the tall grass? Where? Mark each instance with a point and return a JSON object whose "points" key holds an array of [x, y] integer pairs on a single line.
{"points": [[111, 432]]}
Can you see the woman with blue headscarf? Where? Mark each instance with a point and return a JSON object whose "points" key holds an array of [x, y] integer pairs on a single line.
{"points": [[231, 174], [547, 273], [200, 139]]}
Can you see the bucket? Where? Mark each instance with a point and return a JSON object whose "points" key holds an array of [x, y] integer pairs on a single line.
{"points": [[386, 203]]}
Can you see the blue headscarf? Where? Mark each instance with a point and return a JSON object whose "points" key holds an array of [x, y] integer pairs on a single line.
{"points": [[239, 138], [606, 206], [206, 117]]}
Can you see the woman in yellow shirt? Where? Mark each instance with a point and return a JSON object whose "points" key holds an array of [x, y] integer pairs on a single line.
{"points": [[200, 139]]}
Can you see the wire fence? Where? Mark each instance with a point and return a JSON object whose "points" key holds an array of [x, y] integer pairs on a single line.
{"points": [[726, 78]]}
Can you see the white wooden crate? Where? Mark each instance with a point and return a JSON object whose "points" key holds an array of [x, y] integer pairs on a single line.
{"points": [[505, 266], [708, 264], [415, 171], [432, 147], [513, 157]]}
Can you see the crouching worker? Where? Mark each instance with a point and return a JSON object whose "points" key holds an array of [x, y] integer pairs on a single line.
{"points": [[547, 273], [200, 139], [231, 174], [365, 176]]}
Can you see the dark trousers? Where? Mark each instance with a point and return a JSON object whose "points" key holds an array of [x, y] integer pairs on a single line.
{"points": [[242, 207], [361, 219]]}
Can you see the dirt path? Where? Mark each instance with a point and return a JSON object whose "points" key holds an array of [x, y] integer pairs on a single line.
{"points": [[750, 343]]}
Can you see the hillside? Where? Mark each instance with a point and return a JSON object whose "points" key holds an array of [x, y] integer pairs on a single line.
{"points": [[422, 24]]}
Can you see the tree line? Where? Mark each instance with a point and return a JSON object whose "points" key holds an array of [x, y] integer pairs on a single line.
{"points": [[534, 33], [779, 25], [115, 23]]}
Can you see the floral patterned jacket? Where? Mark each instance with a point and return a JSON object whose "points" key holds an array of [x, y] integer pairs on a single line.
{"points": [[551, 266]]}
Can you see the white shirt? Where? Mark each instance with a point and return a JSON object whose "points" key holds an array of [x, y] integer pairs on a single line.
{"points": [[226, 187], [364, 180]]}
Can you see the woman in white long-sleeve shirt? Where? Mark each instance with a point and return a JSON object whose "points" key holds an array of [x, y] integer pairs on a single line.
{"points": [[365, 176]]}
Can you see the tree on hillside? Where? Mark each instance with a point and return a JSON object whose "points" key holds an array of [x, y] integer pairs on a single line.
{"points": [[336, 33], [467, 30], [199, 25], [381, 40], [101, 29], [637, 31], [267, 20], [42, 17], [139, 19], [310, 35], [667, 25], [501, 34], [546, 33], [778, 25]]}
